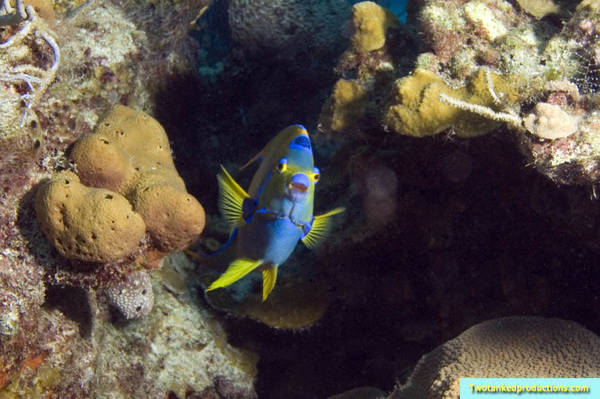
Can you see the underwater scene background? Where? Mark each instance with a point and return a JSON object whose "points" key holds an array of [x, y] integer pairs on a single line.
{"points": [[460, 137]]}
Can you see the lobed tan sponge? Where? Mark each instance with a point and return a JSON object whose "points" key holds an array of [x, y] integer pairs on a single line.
{"points": [[174, 218], [124, 144], [129, 152], [90, 224], [517, 347]]}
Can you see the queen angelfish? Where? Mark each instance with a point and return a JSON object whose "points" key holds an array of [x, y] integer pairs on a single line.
{"points": [[276, 212]]}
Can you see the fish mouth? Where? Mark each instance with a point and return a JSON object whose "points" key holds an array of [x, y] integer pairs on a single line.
{"points": [[298, 187]]}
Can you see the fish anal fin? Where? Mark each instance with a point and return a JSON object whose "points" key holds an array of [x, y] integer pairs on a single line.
{"points": [[236, 270], [231, 198], [320, 228], [269, 278]]}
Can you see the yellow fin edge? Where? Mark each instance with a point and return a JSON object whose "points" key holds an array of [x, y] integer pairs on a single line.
{"points": [[320, 228], [236, 270], [269, 278], [231, 197]]}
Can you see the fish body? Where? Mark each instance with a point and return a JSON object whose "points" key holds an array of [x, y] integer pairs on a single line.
{"points": [[277, 211]]}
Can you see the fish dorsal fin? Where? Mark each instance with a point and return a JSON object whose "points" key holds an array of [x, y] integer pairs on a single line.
{"points": [[320, 228], [257, 157], [231, 198], [269, 277], [236, 270]]}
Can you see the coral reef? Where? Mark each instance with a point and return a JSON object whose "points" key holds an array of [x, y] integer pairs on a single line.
{"points": [[489, 68], [516, 347], [60, 78], [442, 231], [368, 66]]}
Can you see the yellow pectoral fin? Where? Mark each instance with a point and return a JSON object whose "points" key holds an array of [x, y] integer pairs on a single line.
{"points": [[269, 277], [231, 198], [236, 270], [320, 228]]}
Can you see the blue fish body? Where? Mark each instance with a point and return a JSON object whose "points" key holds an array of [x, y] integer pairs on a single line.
{"points": [[272, 240], [277, 211]]}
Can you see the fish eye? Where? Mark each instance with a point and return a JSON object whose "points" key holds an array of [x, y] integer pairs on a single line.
{"points": [[282, 165], [316, 174]]}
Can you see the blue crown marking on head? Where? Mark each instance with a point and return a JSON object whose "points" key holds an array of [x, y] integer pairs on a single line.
{"points": [[301, 143]]}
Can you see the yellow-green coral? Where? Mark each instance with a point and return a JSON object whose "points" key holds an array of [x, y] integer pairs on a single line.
{"points": [[85, 223], [370, 23], [129, 152], [418, 110], [346, 105], [539, 8]]}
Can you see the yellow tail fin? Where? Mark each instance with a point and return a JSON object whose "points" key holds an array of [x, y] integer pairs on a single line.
{"points": [[269, 277], [236, 270]]}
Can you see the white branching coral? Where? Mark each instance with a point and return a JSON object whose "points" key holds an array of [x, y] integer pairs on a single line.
{"points": [[24, 72]]}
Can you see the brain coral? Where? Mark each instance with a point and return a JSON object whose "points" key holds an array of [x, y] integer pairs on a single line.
{"points": [[520, 347], [129, 152], [90, 224]]}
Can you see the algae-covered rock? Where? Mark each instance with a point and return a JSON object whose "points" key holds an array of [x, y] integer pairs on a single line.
{"points": [[179, 347], [297, 303], [86, 223]]}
